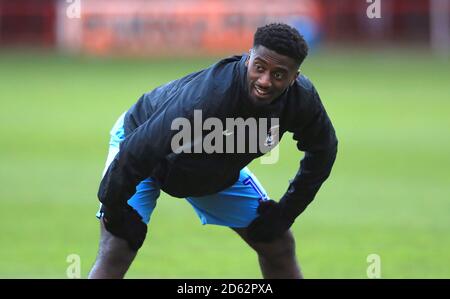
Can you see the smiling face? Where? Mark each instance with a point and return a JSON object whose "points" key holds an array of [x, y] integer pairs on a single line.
{"points": [[269, 74]]}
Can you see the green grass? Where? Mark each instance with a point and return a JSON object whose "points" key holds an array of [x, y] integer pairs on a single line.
{"points": [[388, 194]]}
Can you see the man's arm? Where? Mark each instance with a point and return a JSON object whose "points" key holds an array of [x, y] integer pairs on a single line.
{"points": [[140, 152], [318, 140]]}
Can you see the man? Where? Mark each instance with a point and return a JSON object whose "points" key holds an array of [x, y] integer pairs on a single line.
{"points": [[264, 85]]}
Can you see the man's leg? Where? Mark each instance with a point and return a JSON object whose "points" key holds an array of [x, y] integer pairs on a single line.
{"points": [[277, 259], [114, 256]]}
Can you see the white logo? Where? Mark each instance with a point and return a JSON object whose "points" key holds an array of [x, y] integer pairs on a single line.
{"points": [[227, 133], [374, 9]]}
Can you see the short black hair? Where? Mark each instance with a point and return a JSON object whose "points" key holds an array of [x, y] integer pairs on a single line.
{"points": [[282, 39]]}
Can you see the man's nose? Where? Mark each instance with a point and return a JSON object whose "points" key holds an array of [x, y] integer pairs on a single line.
{"points": [[264, 80]]}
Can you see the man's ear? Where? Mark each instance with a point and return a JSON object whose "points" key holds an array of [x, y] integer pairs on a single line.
{"points": [[295, 78], [248, 57]]}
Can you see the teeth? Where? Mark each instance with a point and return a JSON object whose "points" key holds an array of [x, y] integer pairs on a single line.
{"points": [[259, 91]]}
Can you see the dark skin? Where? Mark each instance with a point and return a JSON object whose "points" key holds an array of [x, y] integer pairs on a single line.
{"points": [[276, 259], [269, 74]]}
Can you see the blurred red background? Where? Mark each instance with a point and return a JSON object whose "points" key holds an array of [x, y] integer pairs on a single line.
{"points": [[206, 25]]}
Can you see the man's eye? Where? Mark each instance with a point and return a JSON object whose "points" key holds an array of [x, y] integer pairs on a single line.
{"points": [[278, 75], [259, 68]]}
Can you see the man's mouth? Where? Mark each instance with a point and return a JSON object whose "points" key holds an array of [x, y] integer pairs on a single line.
{"points": [[261, 93]]}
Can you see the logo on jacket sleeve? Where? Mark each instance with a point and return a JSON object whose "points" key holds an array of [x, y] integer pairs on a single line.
{"points": [[272, 136]]}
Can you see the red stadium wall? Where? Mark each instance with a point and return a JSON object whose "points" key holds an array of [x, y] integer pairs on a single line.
{"points": [[202, 26], [178, 27], [28, 22]]}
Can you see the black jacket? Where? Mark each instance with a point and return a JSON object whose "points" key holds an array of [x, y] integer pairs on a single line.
{"points": [[218, 91]]}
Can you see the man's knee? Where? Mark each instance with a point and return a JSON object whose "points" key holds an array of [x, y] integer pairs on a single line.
{"points": [[114, 250], [281, 248]]}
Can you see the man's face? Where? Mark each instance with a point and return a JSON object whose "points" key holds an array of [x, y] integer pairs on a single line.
{"points": [[269, 74]]}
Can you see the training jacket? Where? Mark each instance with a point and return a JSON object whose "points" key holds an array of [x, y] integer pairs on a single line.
{"points": [[219, 91]]}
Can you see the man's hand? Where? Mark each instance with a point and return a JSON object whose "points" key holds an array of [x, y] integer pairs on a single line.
{"points": [[125, 223], [270, 224]]}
